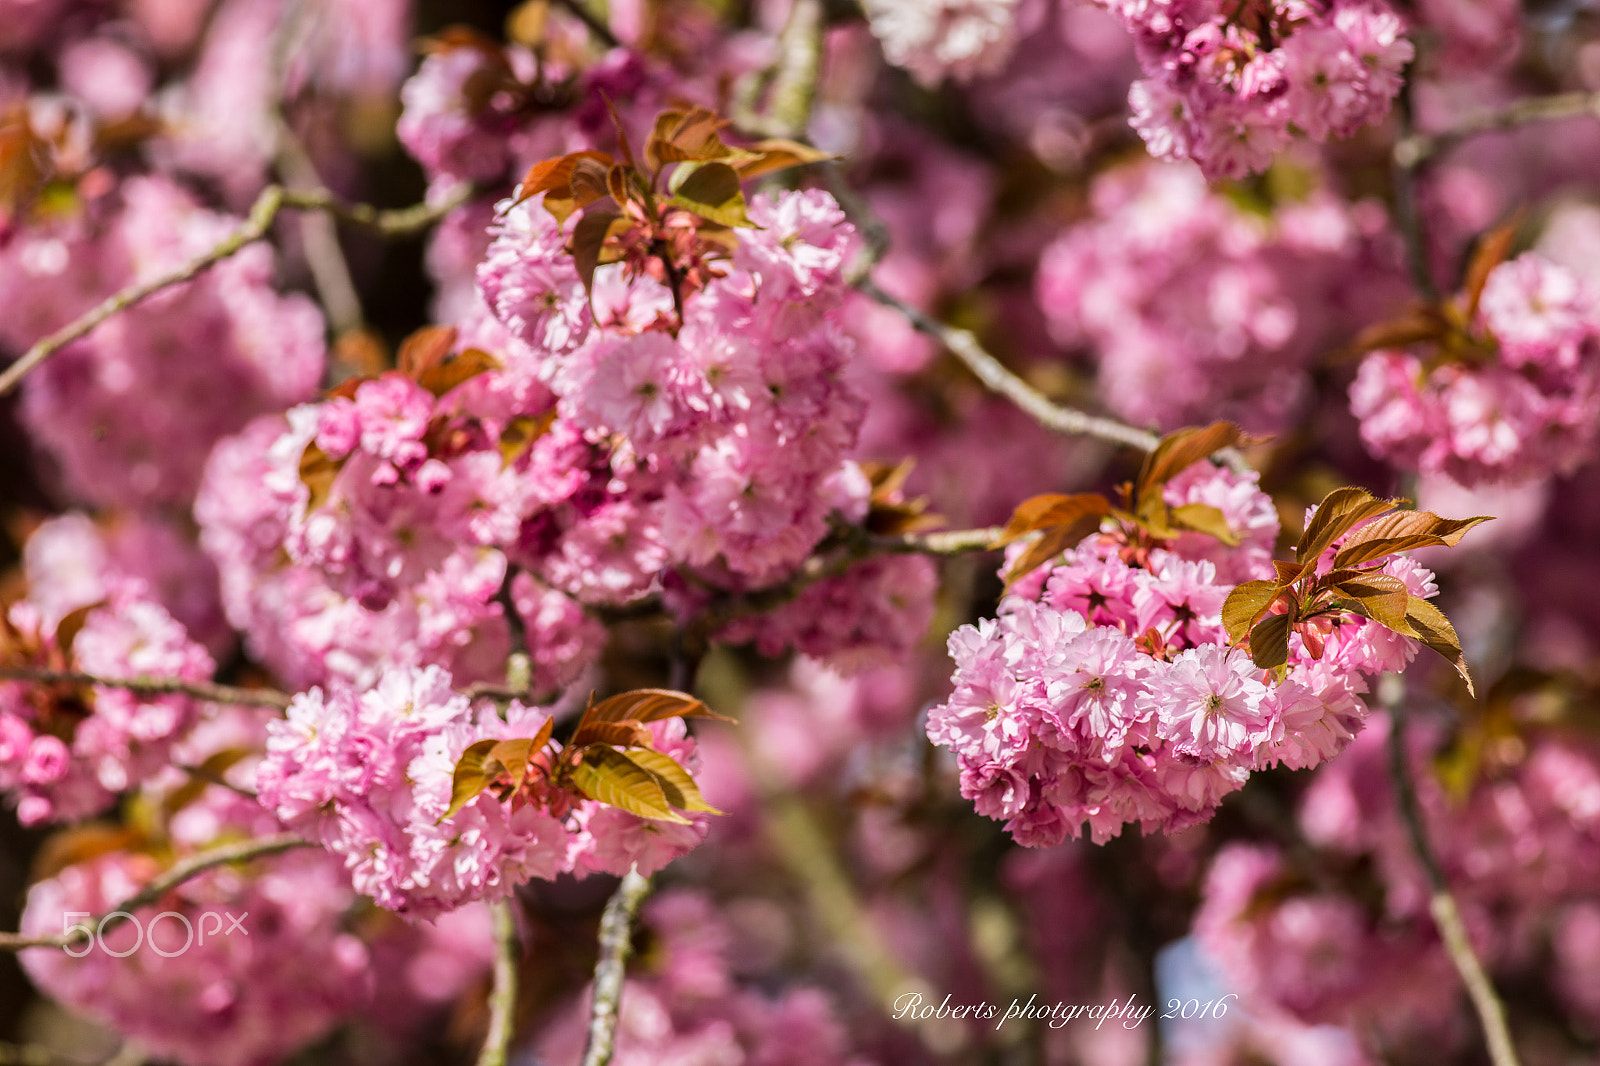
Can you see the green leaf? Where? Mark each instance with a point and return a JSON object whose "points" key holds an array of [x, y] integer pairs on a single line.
{"points": [[676, 784], [713, 193], [775, 154], [1245, 604], [606, 775], [521, 433], [470, 777], [1203, 518], [1269, 641]]}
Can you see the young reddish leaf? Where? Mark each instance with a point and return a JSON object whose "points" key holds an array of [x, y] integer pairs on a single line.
{"points": [[589, 239], [511, 756], [649, 705], [1339, 511], [606, 775], [1051, 543], [424, 350], [686, 136], [1381, 597], [1052, 509], [628, 733], [72, 624], [1403, 531], [80, 843], [1269, 641], [713, 192], [443, 376], [1178, 450], [1430, 626], [778, 154], [1417, 326], [1245, 604], [521, 433], [1492, 250], [676, 784], [554, 177], [201, 778], [1288, 573], [317, 472], [1203, 518], [470, 777]]}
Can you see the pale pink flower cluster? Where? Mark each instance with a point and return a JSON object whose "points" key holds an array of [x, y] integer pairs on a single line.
{"points": [[735, 429], [1106, 691], [368, 776], [1230, 85], [402, 562], [460, 110], [66, 757], [1196, 309], [1525, 407], [130, 412], [935, 39]]}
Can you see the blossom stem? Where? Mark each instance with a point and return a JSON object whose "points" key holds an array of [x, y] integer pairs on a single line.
{"points": [[1441, 903], [187, 870], [263, 212], [616, 944], [503, 1000], [152, 686]]}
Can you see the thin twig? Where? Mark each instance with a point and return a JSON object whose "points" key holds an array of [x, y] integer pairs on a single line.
{"points": [[180, 873], [255, 226], [989, 370], [595, 24], [616, 944], [503, 1000], [1446, 915], [1406, 177], [1415, 149], [152, 686]]}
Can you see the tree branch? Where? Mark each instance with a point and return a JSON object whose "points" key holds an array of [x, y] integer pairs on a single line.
{"points": [[594, 23], [1413, 150], [616, 944], [1407, 209], [273, 199], [1446, 915], [989, 370], [503, 1000], [152, 686], [181, 872]]}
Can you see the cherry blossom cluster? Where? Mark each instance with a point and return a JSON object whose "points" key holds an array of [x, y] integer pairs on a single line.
{"points": [[369, 776], [67, 752], [224, 347], [1107, 692], [1195, 308], [736, 422], [1515, 397], [935, 39], [1230, 85]]}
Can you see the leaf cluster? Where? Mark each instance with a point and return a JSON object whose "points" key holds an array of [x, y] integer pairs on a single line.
{"points": [[1304, 597], [1144, 519], [610, 758]]}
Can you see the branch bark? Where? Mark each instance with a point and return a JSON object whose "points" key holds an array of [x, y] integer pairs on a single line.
{"points": [[152, 686], [184, 871], [1413, 150], [616, 944], [1441, 903], [503, 999]]}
